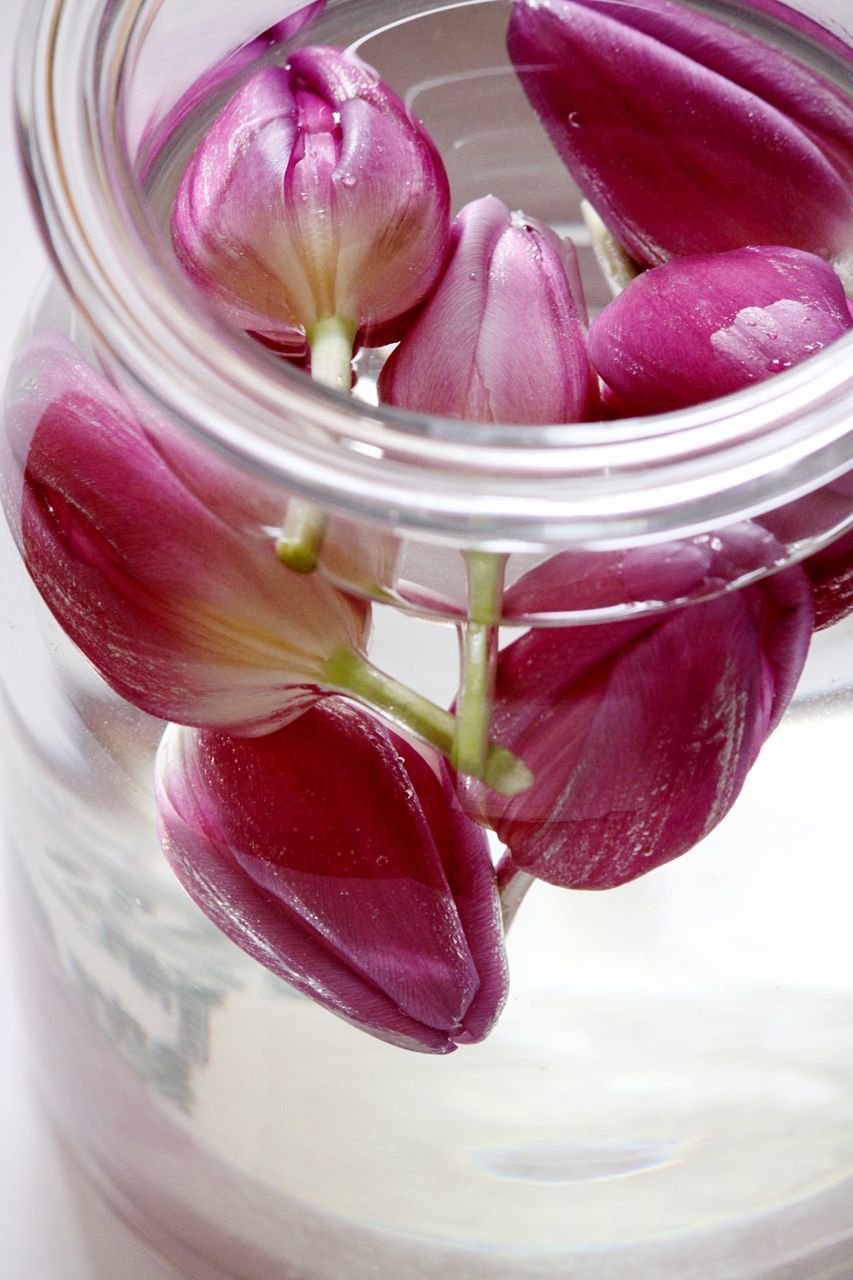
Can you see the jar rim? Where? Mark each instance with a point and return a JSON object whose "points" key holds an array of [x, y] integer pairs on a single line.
{"points": [[596, 485]]}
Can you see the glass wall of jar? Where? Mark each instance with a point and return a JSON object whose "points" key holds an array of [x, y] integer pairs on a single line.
{"points": [[608, 643]]}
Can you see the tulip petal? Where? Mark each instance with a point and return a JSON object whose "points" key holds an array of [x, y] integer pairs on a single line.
{"points": [[364, 885], [502, 339], [708, 325], [687, 135], [640, 734], [185, 616], [830, 572]]}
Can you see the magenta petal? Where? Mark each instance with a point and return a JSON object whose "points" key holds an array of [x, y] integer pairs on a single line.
{"points": [[705, 326], [336, 854], [187, 617], [502, 339], [830, 570], [687, 135], [314, 193], [640, 734]]}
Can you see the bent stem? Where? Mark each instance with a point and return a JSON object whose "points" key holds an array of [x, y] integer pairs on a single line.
{"points": [[479, 658], [513, 884], [301, 540], [350, 673]]}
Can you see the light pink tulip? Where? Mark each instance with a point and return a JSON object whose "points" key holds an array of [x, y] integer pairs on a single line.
{"points": [[503, 337], [314, 194]]}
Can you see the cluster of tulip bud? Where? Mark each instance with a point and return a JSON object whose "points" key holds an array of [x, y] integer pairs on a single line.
{"points": [[315, 213]]}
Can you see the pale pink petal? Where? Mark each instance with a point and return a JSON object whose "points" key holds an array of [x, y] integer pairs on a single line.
{"points": [[502, 339]]}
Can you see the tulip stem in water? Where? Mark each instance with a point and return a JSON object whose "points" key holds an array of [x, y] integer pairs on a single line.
{"points": [[513, 883], [352, 674], [301, 539], [479, 656]]}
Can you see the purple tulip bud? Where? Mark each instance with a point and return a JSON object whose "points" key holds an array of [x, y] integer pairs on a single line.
{"points": [[336, 854], [183, 614], [701, 327], [502, 339], [688, 135], [314, 194], [640, 733]]}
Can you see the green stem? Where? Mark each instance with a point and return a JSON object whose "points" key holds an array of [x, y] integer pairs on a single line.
{"points": [[351, 673], [485, 571], [479, 656], [301, 540], [513, 884]]}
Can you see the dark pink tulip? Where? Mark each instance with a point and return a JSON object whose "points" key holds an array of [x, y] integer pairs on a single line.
{"points": [[503, 337], [704, 326], [640, 733], [830, 572], [314, 194], [185, 615], [336, 853], [687, 135]]}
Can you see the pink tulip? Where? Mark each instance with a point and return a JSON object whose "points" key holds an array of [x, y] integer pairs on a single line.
{"points": [[335, 853], [704, 326], [315, 194], [503, 337], [686, 134], [640, 734], [183, 614]]}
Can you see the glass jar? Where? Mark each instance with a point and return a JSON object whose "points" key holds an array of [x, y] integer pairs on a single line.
{"points": [[667, 1092]]}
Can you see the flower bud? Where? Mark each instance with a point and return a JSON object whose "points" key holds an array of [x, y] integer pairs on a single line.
{"points": [[502, 338], [704, 326], [640, 733], [335, 853], [183, 614], [315, 193], [688, 135]]}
